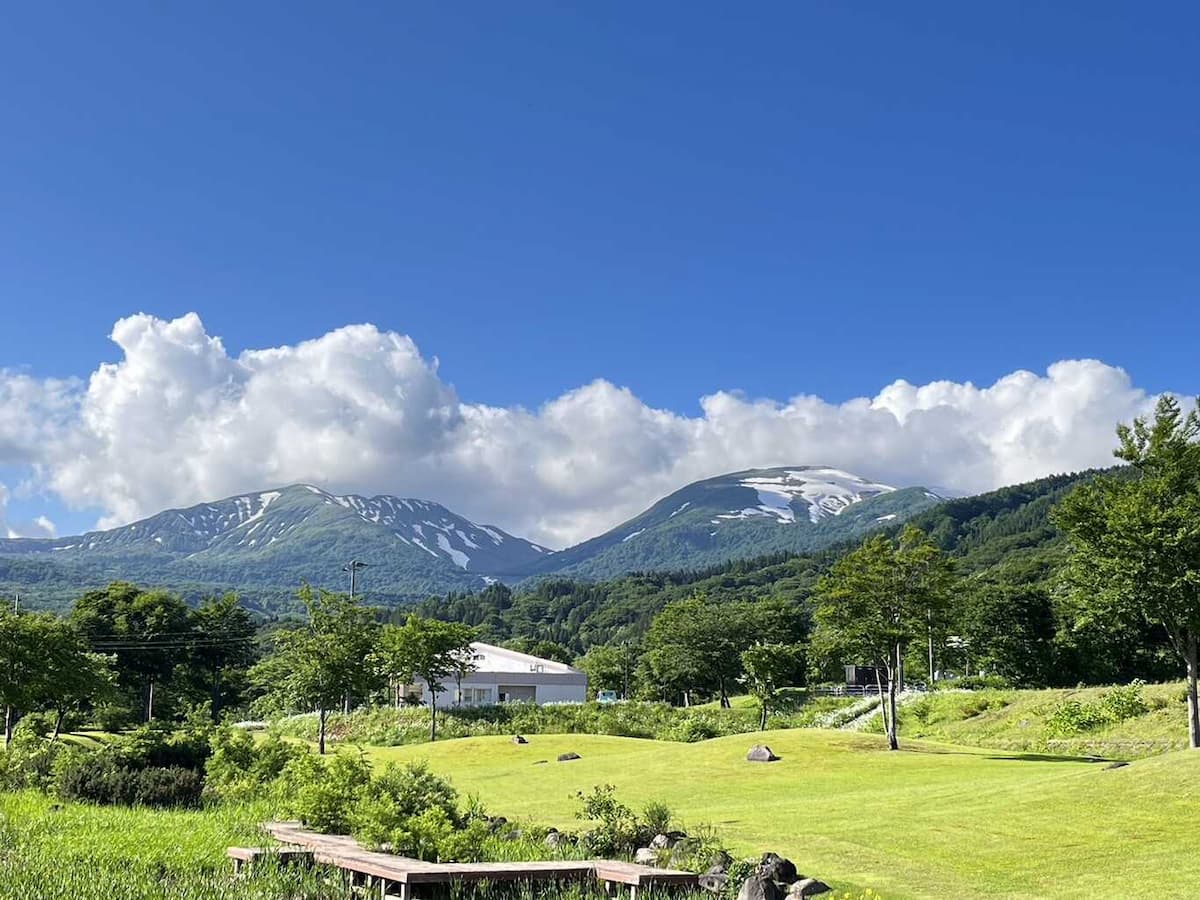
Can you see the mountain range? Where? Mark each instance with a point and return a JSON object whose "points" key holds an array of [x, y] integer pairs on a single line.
{"points": [[263, 544]]}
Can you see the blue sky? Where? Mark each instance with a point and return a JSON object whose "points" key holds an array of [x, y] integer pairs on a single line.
{"points": [[677, 197]]}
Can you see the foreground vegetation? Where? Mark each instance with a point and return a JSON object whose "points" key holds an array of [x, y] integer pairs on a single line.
{"points": [[930, 821], [50, 850]]}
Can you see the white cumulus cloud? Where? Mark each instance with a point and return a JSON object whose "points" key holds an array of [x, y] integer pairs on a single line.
{"points": [[179, 420]]}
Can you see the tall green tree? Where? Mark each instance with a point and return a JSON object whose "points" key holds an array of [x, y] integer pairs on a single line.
{"points": [[319, 664], [69, 675], [147, 633], [20, 665], [1010, 630], [692, 646], [429, 650], [877, 600], [695, 645], [609, 667], [768, 669], [221, 652], [1135, 540]]}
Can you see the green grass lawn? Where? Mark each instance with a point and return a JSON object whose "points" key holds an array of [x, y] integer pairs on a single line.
{"points": [[929, 821], [1017, 720]]}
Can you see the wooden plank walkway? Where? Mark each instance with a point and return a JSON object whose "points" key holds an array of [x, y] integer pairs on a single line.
{"points": [[397, 875]]}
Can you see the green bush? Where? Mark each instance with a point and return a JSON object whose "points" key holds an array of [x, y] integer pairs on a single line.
{"points": [[28, 762], [1126, 702], [617, 831], [324, 795], [1072, 717], [398, 795], [240, 768], [1115, 705], [170, 786], [100, 777]]}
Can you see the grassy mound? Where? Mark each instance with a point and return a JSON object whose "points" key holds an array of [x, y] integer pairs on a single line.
{"points": [[1121, 723], [929, 821]]}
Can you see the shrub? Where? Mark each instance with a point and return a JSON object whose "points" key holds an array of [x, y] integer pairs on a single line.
{"points": [[28, 762], [241, 768], [171, 786], [694, 728], [657, 817], [96, 777], [616, 832], [1071, 717], [1126, 702], [324, 795], [395, 796]]}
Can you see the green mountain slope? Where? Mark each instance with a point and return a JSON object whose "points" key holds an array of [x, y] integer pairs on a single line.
{"points": [[265, 544], [743, 514], [1004, 536]]}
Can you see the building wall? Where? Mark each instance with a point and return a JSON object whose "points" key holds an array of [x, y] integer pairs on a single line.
{"points": [[548, 688]]}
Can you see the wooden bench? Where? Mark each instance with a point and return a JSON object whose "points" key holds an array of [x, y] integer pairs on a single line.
{"points": [[638, 877], [397, 876], [244, 857]]}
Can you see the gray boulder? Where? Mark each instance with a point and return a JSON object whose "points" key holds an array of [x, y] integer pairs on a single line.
{"points": [[775, 868], [646, 856], [808, 887], [566, 757], [667, 841], [719, 862], [554, 840], [761, 753], [756, 888], [519, 739], [713, 882]]}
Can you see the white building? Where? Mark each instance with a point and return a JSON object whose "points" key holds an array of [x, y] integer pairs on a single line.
{"points": [[503, 676]]}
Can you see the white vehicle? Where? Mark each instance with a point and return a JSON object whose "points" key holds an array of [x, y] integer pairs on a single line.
{"points": [[607, 697]]}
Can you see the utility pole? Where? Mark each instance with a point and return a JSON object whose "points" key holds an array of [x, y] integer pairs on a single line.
{"points": [[352, 567], [8, 710], [932, 676]]}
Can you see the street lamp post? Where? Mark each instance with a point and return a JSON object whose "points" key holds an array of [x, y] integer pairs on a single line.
{"points": [[352, 567]]}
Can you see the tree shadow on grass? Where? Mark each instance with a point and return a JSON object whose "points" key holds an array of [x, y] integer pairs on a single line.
{"points": [[1009, 757]]}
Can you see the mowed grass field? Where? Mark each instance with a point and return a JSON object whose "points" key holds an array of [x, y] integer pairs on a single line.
{"points": [[929, 821]]}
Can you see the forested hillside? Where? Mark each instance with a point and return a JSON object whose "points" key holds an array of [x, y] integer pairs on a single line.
{"points": [[1010, 618], [1006, 534]]}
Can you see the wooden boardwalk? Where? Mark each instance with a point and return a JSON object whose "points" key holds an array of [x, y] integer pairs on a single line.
{"points": [[397, 876]]}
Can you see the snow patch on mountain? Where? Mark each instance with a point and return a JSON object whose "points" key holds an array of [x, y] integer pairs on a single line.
{"points": [[821, 491]]}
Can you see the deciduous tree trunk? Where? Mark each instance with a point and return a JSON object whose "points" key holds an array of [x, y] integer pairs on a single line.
{"points": [[432, 716], [321, 729], [8, 726], [894, 676], [762, 717], [58, 722], [883, 710]]}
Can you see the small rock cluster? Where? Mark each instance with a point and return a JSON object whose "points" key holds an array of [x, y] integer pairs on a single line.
{"points": [[774, 878]]}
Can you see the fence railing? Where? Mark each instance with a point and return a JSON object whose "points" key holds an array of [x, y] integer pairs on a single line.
{"points": [[846, 690]]}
